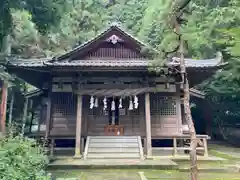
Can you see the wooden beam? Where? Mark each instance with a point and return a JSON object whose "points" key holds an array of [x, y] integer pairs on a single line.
{"points": [[148, 124], [111, 79], [78, 127], [97, 87]]}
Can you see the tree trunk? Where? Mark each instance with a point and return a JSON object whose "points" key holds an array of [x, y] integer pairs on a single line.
{"points": [[4, 107], [6, 50], [187, 113], [193, 145]]}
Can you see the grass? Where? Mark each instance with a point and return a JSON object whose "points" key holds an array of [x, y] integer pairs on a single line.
{"points": [[133, 175]]}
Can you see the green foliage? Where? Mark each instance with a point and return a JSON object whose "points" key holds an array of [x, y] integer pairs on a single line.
{"points": [[45, 13], [22, 158]]}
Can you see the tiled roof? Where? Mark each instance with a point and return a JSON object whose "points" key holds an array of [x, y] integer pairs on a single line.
{"points": [[199, 63], [112, 63], [29, 62]]}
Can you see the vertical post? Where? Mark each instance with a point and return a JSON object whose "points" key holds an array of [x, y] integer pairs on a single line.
{"points": [[82, 145], [4, 107], [11, 109], [48, 114], [205, 147], [148, 125], [78, 126], [24, 120], [174, 146], [52, 147], [145, 145]]}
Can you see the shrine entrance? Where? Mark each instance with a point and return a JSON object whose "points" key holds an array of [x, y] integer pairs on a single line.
{"points": [[113, 127]]}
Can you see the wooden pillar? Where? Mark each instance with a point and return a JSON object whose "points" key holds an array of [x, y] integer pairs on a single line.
{"points": [[3, 107], [25, 110], [78, 127], [52, 147], [82, 145], [205, 147], [148, 125], [174, 146], [145, 145], [48, 114]]}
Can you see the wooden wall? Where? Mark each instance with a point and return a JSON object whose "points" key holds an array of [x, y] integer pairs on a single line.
{"points": [[165, 119]]}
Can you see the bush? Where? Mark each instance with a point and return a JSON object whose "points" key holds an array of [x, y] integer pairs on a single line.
{"points": [[22, 158]]}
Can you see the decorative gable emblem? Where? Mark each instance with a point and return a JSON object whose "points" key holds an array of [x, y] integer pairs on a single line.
{"points": [[114, 39]]}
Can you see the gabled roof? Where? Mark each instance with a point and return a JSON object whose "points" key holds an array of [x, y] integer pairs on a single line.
{"points": [[64, 61], [103, 33]]}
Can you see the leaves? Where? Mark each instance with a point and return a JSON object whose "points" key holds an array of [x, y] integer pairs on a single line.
{"points": [[22, 158]]}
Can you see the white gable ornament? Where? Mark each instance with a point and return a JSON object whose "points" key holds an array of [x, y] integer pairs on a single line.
{"points": [[114, 39]]}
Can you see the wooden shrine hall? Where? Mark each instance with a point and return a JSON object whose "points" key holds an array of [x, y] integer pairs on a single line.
{"points": [[103, 95]]}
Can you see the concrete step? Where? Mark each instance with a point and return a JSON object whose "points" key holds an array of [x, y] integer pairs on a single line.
{"points": [[112, 140], [113, 145], [116, 150], [113, 156], [113, 137]]}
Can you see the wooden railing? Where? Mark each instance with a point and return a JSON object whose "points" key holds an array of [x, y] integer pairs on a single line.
{"points": [[184, 144]]}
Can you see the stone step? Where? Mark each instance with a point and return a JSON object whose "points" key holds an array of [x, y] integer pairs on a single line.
{"points": [[113, 145], [116, 150], [113, 156], [113, 137], [112, 140]]}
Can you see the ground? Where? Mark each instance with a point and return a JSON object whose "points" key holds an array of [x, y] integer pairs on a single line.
{"points": [[209, 170]]}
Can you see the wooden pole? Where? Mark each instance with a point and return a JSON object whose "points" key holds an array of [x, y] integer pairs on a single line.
{"points": [[48, 115], [148, 125], [78, 127], [4, 107], [25, 110]]}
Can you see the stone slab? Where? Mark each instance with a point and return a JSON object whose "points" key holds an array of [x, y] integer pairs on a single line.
{"points": [[71, 163]]}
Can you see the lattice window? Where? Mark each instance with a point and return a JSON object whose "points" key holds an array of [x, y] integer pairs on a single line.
{"points": [[64, 103], [162, 105]]}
